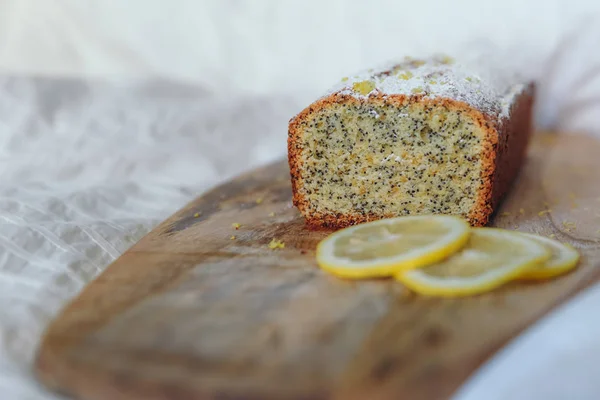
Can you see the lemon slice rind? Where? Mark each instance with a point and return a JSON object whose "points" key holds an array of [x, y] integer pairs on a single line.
{"points": [[419, 281], [567, 260], [446, 245]]}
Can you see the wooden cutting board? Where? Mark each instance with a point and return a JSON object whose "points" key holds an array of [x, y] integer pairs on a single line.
{"points": [[190, 313]]}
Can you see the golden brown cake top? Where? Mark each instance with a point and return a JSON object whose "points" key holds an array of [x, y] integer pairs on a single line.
{"points": [[481, 85]]}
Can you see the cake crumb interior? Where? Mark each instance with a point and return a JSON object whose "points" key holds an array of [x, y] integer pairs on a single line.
{"points": [[378, 159]]}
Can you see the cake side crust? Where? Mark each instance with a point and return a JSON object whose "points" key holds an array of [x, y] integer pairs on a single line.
{"points": [[514, 135]]}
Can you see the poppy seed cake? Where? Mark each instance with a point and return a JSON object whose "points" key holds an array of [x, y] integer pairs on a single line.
{"points": [[416, 137]]}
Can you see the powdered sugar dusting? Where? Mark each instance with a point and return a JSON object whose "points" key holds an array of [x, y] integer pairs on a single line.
{"points": [[483, 86]]}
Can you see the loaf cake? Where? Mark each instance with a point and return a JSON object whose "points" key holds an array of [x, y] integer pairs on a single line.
{"points": [[419, 136]]}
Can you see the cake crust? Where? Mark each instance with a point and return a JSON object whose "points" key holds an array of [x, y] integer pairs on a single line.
{"points": [[503, 149]]}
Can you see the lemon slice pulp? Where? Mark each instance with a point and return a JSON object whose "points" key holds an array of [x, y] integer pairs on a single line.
{"points": [[564, 258], [387, 246], [491, 258]]}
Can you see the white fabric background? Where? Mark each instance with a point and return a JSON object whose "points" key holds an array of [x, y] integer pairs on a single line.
{"points": [[89, 166]]}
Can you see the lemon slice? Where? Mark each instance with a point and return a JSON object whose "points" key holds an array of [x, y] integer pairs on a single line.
{"points": [[387, 246], [564, 258], [491, 258]]}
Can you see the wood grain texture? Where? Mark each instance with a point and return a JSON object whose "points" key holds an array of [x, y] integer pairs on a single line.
{"points": [[189, 313]]}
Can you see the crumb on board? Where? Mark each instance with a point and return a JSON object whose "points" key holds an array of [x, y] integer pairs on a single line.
{"points": [[552, 236], [259, 200], [548, 139], [236, 226], [232, 237], [196, 215], [505, 214], [276, 244], [271, 214], [522, 211], [544, 212], [569, 226]]}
